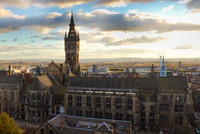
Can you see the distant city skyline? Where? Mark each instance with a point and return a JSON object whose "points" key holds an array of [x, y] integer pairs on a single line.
{"points": [[33, 29]]}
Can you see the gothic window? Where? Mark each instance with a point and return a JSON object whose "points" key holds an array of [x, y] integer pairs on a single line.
{"points": [[98, 99], [151, 108], [70, 112], [118, 103], [151, 114], [129, 117], [142, 107], [69, 104], [98, 102], [39, 96], [118, 116], [88, 101], [163, 97], [12, 94], [108, 102], [39, 113], [78, 112], [166, 98], [177, 98], [69, 97], [129, 104], [5, 93], [98, 114], [33, 96], [178, 120], [180, 98], [50, 132], [42, 131], [88, 113], [178, 108], [78, 98]]}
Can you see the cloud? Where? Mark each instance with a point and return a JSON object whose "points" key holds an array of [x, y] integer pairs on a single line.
{"points": [[42, 3], [15, 39], [101, 20], [3, 40], [187, 46], [15, 48], [4, 13], [34, 36], [194, 5], [116, 3], [52, 38], [137, 22], [138, 40], [169, 8], [128, 51]]}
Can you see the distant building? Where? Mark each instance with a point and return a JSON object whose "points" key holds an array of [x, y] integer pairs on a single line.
{"points": [[179, 64], [95, 68], [64, 124], [163, 71], [117, 104]]}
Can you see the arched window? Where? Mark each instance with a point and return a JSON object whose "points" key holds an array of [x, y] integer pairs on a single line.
{"points": [[39, 96], [33, 96], [180, 98], [177, 98], [50, 132], [42, 131], [12, 93]]}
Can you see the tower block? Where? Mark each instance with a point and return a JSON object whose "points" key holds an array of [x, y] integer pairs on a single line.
{"points": [[72, 47]]}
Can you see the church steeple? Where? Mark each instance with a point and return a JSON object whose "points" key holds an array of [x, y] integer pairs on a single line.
{"points": [[72, 18], [72, 47], [163, 71], [72, 24]]}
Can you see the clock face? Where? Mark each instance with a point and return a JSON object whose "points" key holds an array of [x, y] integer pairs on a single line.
{"points": [[61, 110]]}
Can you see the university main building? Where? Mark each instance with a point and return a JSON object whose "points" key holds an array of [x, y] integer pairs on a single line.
{"points": [[62, 100]]}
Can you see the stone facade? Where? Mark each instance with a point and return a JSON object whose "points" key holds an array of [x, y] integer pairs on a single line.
{"points": [[72, 47], [103, 103], [10, 87]]}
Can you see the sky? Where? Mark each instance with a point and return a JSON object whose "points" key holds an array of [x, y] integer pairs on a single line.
{"points": [[34, 29]]}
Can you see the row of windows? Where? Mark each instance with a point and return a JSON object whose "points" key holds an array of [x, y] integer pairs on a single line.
{"points": [[168, 98], [99, 105], [6, 93], [177, 119], [98, 99], [107, 115]]}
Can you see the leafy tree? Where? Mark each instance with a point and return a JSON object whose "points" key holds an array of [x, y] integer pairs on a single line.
{"points": [[8, 125]]}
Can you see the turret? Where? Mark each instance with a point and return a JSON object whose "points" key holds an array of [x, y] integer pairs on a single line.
{"points": [[72, 47]]}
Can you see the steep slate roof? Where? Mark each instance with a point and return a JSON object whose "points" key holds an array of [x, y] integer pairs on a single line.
{"points": [[85, 125], [147, 83], [179, 83], [3, 72], [10, 82], [129, 83], [100, 82], [10, 79], [41, 82], [104, 127], [58, 68]]}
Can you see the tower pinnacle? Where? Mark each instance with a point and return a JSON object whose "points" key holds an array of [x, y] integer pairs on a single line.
{"points": [[72, 18]]}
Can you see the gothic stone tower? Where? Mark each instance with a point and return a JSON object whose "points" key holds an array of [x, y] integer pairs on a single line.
{"points": [[72, 46]]}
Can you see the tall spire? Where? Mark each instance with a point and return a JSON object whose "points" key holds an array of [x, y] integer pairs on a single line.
{"points": [[72, 24], [163, 71], [72, 18], [163, 61]]}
